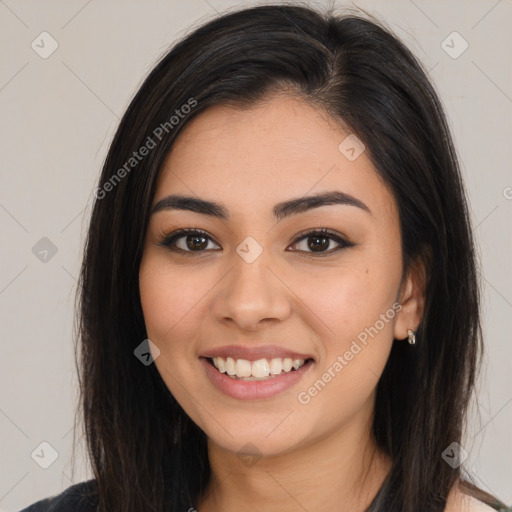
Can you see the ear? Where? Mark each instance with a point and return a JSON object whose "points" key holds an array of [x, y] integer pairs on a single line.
{"points": [[411, 297]]}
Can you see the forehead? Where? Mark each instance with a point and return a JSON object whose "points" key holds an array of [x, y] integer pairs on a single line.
{"points": [[280, 148]]}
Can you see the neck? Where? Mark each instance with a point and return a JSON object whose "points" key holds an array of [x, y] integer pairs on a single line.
{"points": [[342, 471]]}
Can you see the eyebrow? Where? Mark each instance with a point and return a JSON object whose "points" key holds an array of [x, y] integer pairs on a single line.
{"points": [[280, 210]]}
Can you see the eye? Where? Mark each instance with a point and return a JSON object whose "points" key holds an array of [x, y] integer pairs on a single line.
{"points": [[187, 241], [197, 241], [318, 240]]}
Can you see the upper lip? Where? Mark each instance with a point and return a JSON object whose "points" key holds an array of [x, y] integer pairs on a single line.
{"points": [[254, 353]]}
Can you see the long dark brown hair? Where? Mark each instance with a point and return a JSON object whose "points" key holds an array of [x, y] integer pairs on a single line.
{"points": [[146, 453]]}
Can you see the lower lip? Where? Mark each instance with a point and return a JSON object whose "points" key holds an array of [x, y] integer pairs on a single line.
{"points": [[251, 390]]}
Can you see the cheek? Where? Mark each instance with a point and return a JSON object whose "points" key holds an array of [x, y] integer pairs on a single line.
{"points": [[354, 351], [168, 292], [356, 304], [352, 297], [172, 302]]}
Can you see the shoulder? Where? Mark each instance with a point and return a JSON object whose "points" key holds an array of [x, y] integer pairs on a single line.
{"points": [[81, 497], [459, 501]]}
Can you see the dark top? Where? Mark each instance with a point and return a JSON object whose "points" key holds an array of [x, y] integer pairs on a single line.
{"points": [[83, 497]]}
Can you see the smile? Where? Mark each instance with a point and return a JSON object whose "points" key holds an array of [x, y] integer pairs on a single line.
{"points": [[253, 380], [242, 369]]}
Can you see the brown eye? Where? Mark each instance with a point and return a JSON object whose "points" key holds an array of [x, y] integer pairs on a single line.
{"points": [[318, 241], [187, 241], [195, 242]]}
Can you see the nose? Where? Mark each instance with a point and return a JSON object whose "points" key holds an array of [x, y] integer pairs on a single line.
{"points": [[252, 295]]}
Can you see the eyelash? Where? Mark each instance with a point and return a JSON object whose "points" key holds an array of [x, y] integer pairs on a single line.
{"points": [[169, 240]]}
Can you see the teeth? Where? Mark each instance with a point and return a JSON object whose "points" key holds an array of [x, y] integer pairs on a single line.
{"points": [[243, 368], [258, 369], [276, 366], [297, 363], [230, 366]]}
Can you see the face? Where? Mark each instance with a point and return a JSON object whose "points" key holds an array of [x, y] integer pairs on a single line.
{"points": [[262, 282]]}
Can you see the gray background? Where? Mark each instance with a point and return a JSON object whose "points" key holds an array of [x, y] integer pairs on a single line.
{"points": [[58, 117]]}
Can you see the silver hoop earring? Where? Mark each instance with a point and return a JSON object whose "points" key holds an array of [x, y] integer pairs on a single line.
{"points": [[412, 337]]}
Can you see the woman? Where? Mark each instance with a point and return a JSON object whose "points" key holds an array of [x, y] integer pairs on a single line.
{"points": [[279, 302]]}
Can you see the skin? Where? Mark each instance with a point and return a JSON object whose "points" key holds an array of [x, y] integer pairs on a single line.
{"points": [[458, 501], [318, 455]]}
